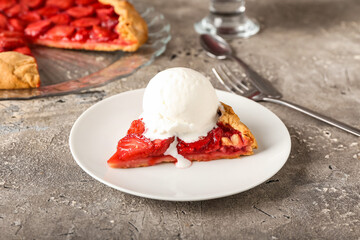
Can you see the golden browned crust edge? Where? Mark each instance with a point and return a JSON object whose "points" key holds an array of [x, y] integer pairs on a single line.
{"points": [[228, 116], [132, 27], [18, 71]]}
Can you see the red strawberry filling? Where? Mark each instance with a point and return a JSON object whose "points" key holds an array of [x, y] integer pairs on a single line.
{"points": [[60, 32], [32, 3], [47, 11], [79, 12], [84, 19], [36, 28], [63, 4], [16, 24], [4, 4], [30, 17], [135, 150], [61, 19], [84, 2], [15, 10]]}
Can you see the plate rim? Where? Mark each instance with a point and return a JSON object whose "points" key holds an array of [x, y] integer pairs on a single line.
{"points": [[171, 198]]}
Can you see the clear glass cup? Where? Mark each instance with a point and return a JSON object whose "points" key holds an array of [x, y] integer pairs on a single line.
{"points": [[227, 18]]}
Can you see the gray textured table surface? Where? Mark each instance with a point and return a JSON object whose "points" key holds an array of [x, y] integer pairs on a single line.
{"points": [[309, 50]]}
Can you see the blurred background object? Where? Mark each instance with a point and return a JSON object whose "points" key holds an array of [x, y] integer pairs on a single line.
{"points": [[228, 19]]}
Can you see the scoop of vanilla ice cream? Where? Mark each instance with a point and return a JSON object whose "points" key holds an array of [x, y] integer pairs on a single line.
{"points": [[179, 102]]}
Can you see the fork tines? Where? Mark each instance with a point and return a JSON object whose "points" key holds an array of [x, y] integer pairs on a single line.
{"points": [[232, 83]]}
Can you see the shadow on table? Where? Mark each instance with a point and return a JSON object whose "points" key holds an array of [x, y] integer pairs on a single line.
{"points": [[273, 191], [269, 194]]}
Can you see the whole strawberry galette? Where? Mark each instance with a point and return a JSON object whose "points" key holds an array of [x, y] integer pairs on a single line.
{"points": [[102, 25]]}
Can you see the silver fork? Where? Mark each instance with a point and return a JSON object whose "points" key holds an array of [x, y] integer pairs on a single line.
{"points": [[253, 91]]}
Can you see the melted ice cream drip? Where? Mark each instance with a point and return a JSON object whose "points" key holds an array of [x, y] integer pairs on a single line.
{"points": [[181, 161]]}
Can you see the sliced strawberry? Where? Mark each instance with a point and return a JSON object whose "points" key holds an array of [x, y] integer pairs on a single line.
{"points": [[137, 127], [110, 23], [37, 28], [80, 12], [103, 12], [61, 19], [135, 150], [133, 146], [48, 11], [4, 4], [30, 16], [16, 24], [3, 22], [62, 4], [98, 5], [161, 145], [11, 43], [101, 34], [60, 32], [11, 34], [32, 3], [85, 22], [84, 2], [24, 50], [81, 35], [15, 10]]}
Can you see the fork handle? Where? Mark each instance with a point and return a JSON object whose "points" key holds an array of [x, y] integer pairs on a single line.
{"points": [[313, 114]]}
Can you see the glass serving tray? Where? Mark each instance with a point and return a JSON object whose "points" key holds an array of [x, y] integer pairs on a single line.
{"points": [[69, 71]]}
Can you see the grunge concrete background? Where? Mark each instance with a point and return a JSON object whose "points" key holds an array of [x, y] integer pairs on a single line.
{"points": [[309, 50]]}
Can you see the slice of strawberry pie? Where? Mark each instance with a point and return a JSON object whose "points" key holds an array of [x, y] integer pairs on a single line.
{"points": [[230, 138]]}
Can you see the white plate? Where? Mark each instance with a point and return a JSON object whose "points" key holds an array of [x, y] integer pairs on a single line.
{"points": [[94, 137]]}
